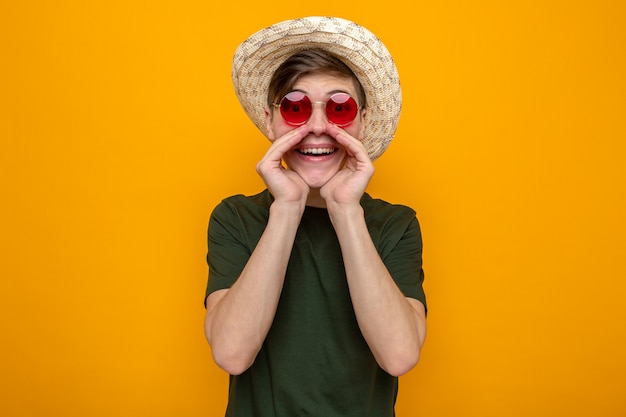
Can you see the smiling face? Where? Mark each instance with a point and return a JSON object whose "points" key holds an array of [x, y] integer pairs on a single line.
{"points": [[318, 156]]}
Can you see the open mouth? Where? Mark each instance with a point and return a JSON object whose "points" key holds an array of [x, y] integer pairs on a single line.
{"points": [[317, 151]]}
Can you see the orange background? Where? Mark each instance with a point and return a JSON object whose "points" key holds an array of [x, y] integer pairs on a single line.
{"points": [[120, 132]]}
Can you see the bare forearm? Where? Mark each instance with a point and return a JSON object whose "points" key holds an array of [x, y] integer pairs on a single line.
{"points": [[393, 326], [239, 318]]}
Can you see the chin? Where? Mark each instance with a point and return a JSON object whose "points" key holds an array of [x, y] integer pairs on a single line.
{"points": [[316, 173], [316, 182]]}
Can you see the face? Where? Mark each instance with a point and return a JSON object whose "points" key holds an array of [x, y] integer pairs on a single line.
{"points": [[318, 156]]}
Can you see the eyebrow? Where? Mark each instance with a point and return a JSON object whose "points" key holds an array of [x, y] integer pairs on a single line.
{"points": [[329, 93]]}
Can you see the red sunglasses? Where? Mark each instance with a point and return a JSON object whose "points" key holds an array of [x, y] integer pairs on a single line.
{"points": [[296, 108]]}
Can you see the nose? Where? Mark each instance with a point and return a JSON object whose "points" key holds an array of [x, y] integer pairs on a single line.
{"points": [[318, 121]]}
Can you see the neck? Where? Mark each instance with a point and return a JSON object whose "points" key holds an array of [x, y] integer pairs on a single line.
{"points": [[315, 199]]}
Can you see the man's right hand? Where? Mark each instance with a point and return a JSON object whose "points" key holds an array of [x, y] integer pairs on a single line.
{"points": [[285, 185]]}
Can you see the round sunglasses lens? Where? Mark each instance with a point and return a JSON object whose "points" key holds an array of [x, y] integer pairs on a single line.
{"points": [[341, 109], [296, 108]]}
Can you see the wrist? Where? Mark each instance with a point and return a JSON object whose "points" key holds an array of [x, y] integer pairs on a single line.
{"points": [[347, 211], [287, 209]]}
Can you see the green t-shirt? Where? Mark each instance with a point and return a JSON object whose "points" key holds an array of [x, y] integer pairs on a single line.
{"points": [[314, 361]]}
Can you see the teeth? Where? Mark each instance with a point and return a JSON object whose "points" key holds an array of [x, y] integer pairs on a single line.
{"points": [[317, 151]]}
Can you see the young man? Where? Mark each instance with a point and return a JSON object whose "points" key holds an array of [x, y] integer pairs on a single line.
{"points": [[314, 302]]}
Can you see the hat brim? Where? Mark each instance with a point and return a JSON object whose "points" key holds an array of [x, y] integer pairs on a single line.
{"points": [[258, 57]]}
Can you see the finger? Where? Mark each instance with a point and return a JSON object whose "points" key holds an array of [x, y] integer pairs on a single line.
{"points": [[286, 142], [354, 147]]}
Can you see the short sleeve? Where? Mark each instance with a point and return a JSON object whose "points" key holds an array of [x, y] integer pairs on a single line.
{"points": [[235, 227], [404, 262], [396, 233], [228, 251]]}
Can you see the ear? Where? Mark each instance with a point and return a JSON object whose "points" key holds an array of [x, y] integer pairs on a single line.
{"points": [[268, 124], [363, 123]]}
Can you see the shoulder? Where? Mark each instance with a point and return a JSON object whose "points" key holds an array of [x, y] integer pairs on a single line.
{"points": [[244, 204], [376, 208], [240, 219], [241, 214], [261, 200], [389, 223]]}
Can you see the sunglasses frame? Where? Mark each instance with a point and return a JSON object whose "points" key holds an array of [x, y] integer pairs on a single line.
{"points": [[325, 104]]}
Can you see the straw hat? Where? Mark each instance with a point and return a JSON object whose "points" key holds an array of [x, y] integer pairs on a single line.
{"points": [[261, 54]]}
